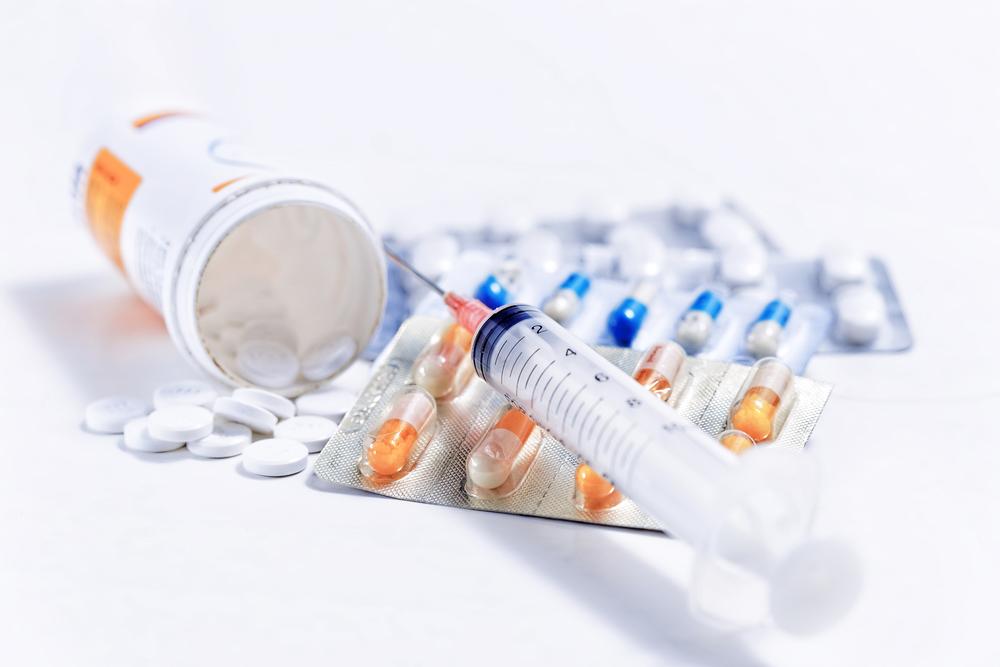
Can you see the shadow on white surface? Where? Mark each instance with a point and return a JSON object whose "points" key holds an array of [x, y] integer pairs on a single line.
{"points": [[317, 484], [641, 601], [173, 456], [105, 338]]}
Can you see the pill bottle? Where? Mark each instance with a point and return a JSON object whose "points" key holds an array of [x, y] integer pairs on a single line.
{"points": [[263, 278]]}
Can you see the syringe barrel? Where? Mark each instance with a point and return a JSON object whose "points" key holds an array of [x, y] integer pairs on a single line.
{"points": [[670, 468]]}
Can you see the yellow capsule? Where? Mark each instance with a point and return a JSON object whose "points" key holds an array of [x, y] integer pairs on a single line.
{"points": [[391, 448], [754, 411], [445, 366], [736, 441]]}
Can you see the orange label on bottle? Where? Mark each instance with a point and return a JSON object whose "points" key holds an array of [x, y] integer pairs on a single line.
{"points": [[110, 187]]}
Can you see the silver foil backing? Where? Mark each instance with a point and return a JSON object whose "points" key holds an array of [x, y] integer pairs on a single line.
{"points": [[704, 395]]}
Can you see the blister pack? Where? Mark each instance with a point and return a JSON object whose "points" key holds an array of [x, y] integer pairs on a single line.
{"points": [[447, 438], [713, 280]]}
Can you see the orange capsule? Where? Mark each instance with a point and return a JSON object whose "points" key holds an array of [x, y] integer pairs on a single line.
{"points": [[490, 462], [657, 371], [736, 441], [754, 411], [594, 492], [445, 366], [659, 367], [391, 449]]}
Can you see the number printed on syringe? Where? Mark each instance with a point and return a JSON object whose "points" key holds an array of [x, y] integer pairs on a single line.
{"points": [[582, 399]]}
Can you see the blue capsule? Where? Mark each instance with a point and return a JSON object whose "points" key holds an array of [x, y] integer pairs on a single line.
{"points": [[776, 310], [579, 283], [492, 292], [565, 303], [765, 334], [696, 325], [708, 302], [625, 321]]}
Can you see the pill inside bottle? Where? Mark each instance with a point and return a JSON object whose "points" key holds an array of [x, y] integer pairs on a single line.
{"points": [[754, 411], [392, 448], [445, 366], [490, 462]]}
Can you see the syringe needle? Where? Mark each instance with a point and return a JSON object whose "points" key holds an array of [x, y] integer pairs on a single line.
{"points": [[394, 256], [470, 313]]}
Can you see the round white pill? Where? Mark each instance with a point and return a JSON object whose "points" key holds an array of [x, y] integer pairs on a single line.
{"points": [[275, 457], [331, 402], [842, 266], [269, 363], [185, 392], [311, 431], [138, 438], [861, 313], [279, 406], [269, 330], [180, 423], [639, 250], [324, 360], [723, 228], [109, 415], [255, 417], [226, 439], [742, 265]]}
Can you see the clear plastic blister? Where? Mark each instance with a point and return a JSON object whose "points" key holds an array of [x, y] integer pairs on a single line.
{"points": [[841, 302], [397, 439], [500, 460], [444, 367], [542, 478]]}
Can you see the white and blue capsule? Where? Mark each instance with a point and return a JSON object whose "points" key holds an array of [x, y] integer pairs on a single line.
{"points": [[698, 321], [492, 292], [565, 303], [625, 321], [764, 335]]}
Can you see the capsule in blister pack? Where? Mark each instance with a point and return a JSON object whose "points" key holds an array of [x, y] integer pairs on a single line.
{"points": [[659, 371], [763, 400], [765, 334], [565, 303], [492, 292], [626, 319], [401, 435], [445, 367], [696, 325], [396, 442], [735, 441], [499, 462]]}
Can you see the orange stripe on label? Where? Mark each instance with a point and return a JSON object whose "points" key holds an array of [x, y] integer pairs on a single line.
{"points": [[226, 184], [110, 187], [146, 120]]}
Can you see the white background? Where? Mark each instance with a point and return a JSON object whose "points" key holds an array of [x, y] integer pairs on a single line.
{"points": [[874, 123]]}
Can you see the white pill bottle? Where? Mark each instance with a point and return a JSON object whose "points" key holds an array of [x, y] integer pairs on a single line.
{"points": [[263, 278]]}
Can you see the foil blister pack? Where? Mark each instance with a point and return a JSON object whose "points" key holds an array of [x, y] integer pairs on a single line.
{"points": [[630, 279], [541, 479]]}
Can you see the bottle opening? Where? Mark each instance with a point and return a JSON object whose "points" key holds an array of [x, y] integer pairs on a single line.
{"points": [[290, 297]]}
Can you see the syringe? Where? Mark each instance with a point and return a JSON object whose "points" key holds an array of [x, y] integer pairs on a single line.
{"points": [[747, 517]]}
